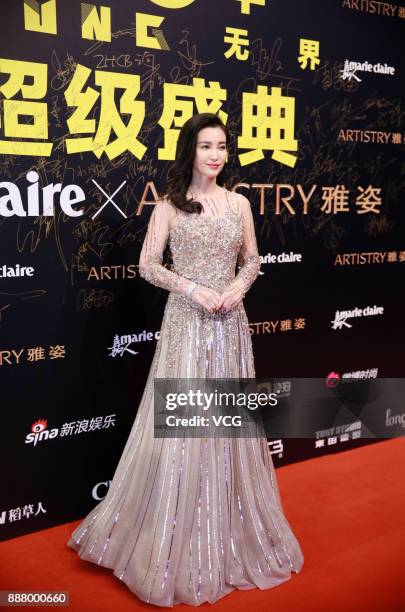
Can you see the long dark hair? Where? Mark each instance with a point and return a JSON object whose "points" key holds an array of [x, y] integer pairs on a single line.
{"points": [[180, 173]]}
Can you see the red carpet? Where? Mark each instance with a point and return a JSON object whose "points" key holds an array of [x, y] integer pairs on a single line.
{"points": [[347, 511]]}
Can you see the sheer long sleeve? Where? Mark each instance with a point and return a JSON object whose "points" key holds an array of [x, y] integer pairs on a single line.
{"points": [[248, 258], [150, 260]]}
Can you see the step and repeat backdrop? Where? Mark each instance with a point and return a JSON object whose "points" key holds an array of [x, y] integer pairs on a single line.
{"points": [[92, 97]]}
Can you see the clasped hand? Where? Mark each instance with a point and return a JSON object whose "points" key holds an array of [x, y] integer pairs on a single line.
{"points": [[214, 302]]}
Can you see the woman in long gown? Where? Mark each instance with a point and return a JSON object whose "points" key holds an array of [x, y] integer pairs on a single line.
{"points": [[188, 520]]}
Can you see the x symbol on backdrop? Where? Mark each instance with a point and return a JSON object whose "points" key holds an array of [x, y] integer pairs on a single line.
{"points": [[109, 199]]}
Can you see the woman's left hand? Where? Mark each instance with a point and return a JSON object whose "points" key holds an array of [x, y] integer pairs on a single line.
{"points": [[230, 298]]}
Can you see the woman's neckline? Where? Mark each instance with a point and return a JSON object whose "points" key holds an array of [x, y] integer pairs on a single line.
{"points": [[222, 190], [204, 215]]}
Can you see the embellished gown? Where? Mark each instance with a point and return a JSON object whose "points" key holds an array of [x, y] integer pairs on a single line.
{"points": [[188, 520]]}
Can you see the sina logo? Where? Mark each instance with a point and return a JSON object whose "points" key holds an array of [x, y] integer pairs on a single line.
{"points": [[40, 432], [332, 379]]}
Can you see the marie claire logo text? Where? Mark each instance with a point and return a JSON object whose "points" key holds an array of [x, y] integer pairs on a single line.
{"points": [[342, 316], [121, 344]]}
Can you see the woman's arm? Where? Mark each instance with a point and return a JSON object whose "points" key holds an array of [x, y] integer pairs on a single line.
{"points": [[150, 260], [248, 259]]}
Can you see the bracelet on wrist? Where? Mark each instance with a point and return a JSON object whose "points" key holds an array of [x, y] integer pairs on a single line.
{"points": [[190, 289]]}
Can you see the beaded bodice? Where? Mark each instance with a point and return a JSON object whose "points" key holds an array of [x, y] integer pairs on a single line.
{"points": [[205, 247]]}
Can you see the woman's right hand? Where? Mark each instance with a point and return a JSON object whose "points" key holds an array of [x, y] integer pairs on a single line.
{"points": [[207, 298]]}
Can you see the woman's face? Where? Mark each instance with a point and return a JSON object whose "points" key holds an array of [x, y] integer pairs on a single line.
{"points": [[210, 152]]}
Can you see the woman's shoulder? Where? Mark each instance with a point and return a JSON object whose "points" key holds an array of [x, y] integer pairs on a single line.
{"points": [[241, 201], [163, 201], [166, 206]]}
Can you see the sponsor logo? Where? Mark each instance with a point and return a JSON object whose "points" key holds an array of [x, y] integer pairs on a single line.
{"points": [[41, 433], [276, 448], [370, 257], [333, 378], [21, 512], [271, 327], [39, 200], [394, 419], [339, 433], [372, 136], [350, 69], [112, 272], [375, 7], [121, 344], [271, 258], [99, 491], [15, 271], [341, 316]]}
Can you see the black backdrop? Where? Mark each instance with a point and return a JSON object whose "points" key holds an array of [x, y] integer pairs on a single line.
{"points": [[68, 398]]}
